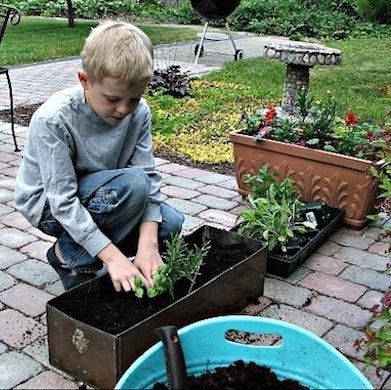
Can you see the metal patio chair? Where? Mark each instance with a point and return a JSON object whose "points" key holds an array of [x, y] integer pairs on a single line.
{"points": [[9, 14]]}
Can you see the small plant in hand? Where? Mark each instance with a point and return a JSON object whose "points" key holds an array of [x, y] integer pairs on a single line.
{"points": [[316, 125], [273, 213], [180, 262]]}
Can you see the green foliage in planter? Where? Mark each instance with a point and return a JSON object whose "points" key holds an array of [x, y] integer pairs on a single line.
{"points": [[180, 262], [383, 174], [316, 125], [273, 213]]}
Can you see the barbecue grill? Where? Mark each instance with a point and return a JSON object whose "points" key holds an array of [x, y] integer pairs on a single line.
{"points": [[215, 10]]}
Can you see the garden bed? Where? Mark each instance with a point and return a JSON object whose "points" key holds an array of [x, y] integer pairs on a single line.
{"points": [[95, 333]]}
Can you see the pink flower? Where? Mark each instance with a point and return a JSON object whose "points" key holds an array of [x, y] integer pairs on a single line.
{"points": [[264, 130]]}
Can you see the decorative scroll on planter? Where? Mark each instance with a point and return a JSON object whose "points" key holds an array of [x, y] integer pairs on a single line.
{"points": [[340, 181]]}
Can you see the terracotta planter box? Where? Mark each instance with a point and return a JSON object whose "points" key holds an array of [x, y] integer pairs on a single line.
{"points": [[98, 354], [340, 181]]}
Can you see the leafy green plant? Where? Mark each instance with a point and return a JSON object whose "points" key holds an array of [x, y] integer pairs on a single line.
{"points": [[180, 262], [273, 213], [383, 175], [376, 344], [276, 222], [375, 10], [263, 180]]}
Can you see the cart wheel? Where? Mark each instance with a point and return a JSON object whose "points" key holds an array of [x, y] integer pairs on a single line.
{"points": [[196, 50], [238, 55]]}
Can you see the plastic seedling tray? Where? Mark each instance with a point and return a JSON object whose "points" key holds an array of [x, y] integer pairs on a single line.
{"points": [[283, 264]]}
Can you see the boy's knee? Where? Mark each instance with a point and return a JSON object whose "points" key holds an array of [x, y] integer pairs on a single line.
{"points": [[139, 183], [172, 221]]}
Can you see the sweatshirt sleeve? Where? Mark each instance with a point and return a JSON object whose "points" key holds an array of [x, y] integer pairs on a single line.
{"points": [[53, 148], [143, 157]]}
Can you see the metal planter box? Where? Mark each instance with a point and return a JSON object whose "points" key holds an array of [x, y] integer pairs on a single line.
{"points": [[99, 357]]}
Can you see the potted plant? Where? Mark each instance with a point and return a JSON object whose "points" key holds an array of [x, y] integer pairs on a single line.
{"points": [[292, 228], [96, 339], [273, 212], [329, 159]]}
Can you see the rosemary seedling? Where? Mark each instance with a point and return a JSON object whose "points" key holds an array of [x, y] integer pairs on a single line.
{"points": [[179, 262]]}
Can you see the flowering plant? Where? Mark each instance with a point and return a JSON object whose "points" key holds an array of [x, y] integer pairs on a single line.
{"points": [[377, 342], [316, 125]]}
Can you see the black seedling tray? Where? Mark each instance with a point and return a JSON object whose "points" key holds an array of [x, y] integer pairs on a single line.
{"points": [[283, 264]]}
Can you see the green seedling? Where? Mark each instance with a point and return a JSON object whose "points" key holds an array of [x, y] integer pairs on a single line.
{"points": [[179, 262]]}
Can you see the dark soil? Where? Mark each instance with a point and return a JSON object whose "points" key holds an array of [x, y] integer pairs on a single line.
{"points": [[114, 312], [22, 116], [239, 376]]}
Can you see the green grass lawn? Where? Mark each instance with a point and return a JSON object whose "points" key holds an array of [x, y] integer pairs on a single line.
{"points": [[362, 83], [40, 39]]}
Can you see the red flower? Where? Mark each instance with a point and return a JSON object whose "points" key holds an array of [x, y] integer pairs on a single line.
{"points": [[270, 114], [351, 119], [370, 136]]}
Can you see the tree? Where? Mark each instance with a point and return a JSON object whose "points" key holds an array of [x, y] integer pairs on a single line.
{"points": [[71, 14]]}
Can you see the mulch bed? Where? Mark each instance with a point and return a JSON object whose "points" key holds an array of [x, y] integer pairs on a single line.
{"points": [[22, 116]]}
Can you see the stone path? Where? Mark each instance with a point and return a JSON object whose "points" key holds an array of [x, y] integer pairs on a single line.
{"points": [[330, 294]]}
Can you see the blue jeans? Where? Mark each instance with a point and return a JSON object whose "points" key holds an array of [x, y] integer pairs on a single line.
{"points": [[116, 200]]}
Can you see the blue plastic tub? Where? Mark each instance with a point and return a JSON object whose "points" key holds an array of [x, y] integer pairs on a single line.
{"points": [[300, 355]]}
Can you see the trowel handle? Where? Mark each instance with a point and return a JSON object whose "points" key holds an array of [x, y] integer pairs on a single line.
{"points": [[175, 360]]}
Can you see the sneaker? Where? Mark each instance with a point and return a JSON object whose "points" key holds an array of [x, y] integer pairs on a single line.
{"points": [[71, 277]]}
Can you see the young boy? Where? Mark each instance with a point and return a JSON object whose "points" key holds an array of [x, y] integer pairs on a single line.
{"points": [[88, 175]]}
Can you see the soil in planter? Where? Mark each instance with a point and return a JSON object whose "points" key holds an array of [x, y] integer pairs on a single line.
{"points": [[239, 376], [115, 312]]}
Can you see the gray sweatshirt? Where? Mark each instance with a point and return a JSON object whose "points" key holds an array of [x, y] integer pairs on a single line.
{"points": [[67, 140]]}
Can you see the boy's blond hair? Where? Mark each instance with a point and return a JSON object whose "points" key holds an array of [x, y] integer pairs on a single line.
{"points": [[118, 49]]}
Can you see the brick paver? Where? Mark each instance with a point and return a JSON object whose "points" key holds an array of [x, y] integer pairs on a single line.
{"points": [[372, 279], [326, 264], [18, 330], [340, 311], [15, 368], [25, 298], [333, 286]]}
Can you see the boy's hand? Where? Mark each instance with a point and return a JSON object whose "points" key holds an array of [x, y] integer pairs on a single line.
{"points": [[148, 261], [148, 258], [121, 270]]}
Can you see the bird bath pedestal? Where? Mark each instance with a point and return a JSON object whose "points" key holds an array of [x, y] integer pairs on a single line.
{"points": [[300, 57]]}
